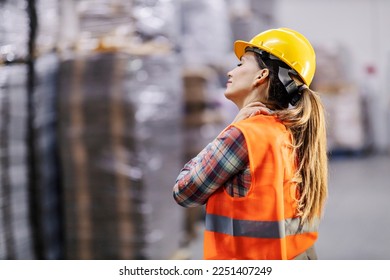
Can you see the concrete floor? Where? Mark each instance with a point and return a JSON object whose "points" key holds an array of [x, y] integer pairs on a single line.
{"points": [[356, 224]]}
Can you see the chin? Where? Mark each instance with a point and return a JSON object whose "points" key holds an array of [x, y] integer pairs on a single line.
{"points": [[228, 95], [230, 98]]}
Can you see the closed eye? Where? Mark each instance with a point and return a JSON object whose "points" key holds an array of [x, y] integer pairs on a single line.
{"points": [[239, 64]]}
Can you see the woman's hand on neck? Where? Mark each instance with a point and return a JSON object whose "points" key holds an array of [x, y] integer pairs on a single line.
{"points": [[252, 109]]}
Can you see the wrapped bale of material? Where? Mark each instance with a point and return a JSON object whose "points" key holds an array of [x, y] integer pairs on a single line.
{"points": [[14, 31], [158, 114], [137, 26], [103, 24], [120, 149], [46, 207], [249, 16], [48, 29], [342, 100], [16, 240], [206, 33], [345, 129]]}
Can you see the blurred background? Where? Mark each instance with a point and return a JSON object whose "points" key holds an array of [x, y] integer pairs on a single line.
{"points": [[103, 101]]}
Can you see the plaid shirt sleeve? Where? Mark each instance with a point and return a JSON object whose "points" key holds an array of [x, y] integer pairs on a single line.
{"points": [[218, 162]]}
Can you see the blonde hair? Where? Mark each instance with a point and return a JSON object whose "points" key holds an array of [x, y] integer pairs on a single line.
{"points": [[306, 121]]}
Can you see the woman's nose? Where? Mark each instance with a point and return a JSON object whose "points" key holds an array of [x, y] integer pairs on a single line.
{"points": [[229, 75]]}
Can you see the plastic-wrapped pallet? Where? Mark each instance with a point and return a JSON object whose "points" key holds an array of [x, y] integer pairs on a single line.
{"points": [[48, 29], [342, 100], [44, 179], [16, 241], [345, 130], [14, 31], [135, 26], [120, 151], [44, 170], [45, 200], [102, 23], [15, 229], [206, 36], [249, 17], [158, 115], [96, 198]]}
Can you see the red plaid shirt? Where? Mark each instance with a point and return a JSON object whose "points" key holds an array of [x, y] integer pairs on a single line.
{"points": [[223, 162]]}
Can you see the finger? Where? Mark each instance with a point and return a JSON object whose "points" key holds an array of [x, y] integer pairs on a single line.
{"points": [[264, 111]]}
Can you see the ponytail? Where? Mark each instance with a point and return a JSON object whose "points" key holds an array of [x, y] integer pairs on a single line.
{"points": [[306, 121]]}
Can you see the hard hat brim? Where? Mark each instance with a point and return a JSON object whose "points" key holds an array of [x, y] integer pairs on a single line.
{"points": [[240, 46]]}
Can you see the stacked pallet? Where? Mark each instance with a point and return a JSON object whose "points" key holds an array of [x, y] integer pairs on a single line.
{"points": [[343, 101], [30, 221], [15, 229], [45, 194], [120, 151], [16, 240]]}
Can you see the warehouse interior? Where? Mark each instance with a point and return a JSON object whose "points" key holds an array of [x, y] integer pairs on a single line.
{"points": [[103, 101]]}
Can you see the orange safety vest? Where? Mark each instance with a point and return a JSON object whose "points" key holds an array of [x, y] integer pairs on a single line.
{"points": [[263, 224]]}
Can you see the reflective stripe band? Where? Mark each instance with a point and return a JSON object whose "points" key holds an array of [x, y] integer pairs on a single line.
{"points": [[293, 227], [257, 229]]}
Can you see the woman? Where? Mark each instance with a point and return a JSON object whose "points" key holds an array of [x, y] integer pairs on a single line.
{"points": [[264, 178]]}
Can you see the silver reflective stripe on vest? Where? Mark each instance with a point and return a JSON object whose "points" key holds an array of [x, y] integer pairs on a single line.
{"points": [[257, 229]]}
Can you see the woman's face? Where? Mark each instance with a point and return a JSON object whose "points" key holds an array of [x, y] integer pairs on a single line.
{"points": [[241, 86]]}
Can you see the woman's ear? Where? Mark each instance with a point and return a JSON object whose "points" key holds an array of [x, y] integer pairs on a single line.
{"points": [[262, 76]]}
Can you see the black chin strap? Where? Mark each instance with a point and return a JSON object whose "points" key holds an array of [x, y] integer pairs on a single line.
{"points": [[284, 71]]}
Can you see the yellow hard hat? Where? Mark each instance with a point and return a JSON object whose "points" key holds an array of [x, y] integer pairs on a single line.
{"points": [[286, 44]]}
